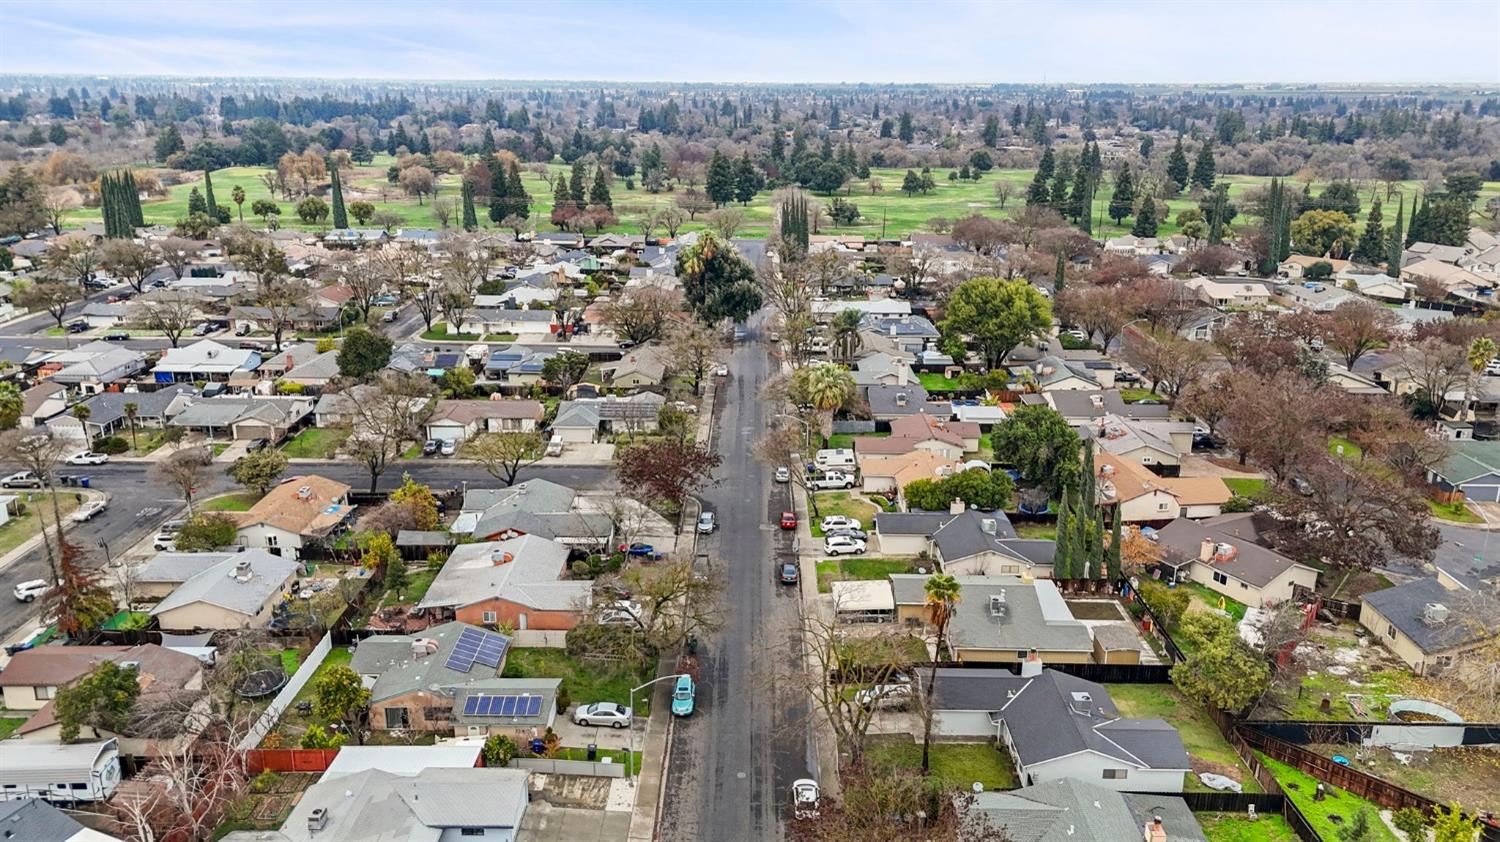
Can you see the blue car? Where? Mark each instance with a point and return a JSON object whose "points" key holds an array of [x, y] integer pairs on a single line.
{"points": [[641, 551], [682, 696]]}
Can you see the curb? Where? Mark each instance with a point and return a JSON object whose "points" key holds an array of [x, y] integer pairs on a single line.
{"points": [[30, 544]]}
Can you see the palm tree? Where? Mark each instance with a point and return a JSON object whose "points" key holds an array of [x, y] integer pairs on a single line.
{"points": [[238, 195], [941, 598], [11, 405], [846, 339], [1481, 352], [132, 410], [825, 387], [82, 413]]}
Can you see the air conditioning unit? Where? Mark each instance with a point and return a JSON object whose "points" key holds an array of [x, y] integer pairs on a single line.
{"points": [[1434, 613], [997, 604]]}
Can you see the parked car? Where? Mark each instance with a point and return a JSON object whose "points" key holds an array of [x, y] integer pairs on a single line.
{"points": [[783, 475], [1302, 486], [448, 447], [87, 511], [846, 532], [682, 696], [603, 713], [706, 523], [257, 444], [884, 696], [77, 327], [641, 550], [788, 520], [385, 300], [840, 545], [1127, 377], [27, 591], [621, 612], [116, 336], [242, 329], [203, 329], [389, 316], [832, 479], [721, 371], [166, 535], [832, 522], [805, 797], [788, 573], [430, 447], [21, 479], [87, 457]]}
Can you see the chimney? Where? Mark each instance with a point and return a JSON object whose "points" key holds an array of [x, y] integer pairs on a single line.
{"points": [[502, 558], [1032, 666], [956, 507], [903, 373], [1154, 831], [1206, 550]]}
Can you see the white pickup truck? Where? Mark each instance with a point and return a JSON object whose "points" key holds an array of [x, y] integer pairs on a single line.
{"points": [[832, 479]]}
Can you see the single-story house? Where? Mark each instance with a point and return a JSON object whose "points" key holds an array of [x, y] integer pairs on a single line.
{"points": [[1230, 292], [1064, 808], [107, 412], [41, 402], [519, 322], [639, 367], [1000, 618], [1295, 265], [885, 474], [205, 360], [239, 592], [31, 679], [910, 333], [311, 374], [1132, 245], [534, 507], [159, 575], [974, 543], [1429, 623], [103, 314], [1156, 444], [517, 582], [582, 420], [292, 514], [518, 364], [1058, 727], [907, 533], [458, 420], [1221, 553], [93, 366], [1379, 286], [243, 418], [883, 368], [890, 402], [1472, 470], [313, 318], [35, 819], [825, 310], [1054, 374], [1079, 408]]}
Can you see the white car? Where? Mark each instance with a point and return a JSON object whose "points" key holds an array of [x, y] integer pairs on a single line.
{"points": [[805, 796], [707, 523], [839, 522], [783, 475], [448, 447], [721, 371], [884, 696], [88, 510], [841, 545], [27, 591], [832, 479], [87, 457], [167, 535], [620, 613], [603, 713]]}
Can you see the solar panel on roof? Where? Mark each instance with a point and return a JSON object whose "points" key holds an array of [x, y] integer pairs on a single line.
{"points": [[471, 705], [533, 706], [491, 649], [508, 706]]}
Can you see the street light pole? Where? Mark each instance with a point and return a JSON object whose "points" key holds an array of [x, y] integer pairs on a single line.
{"points": [[806, 430], [630, 758]]}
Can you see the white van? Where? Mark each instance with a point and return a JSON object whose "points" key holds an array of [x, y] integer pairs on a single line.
{"points": [[837, 458], [555, 446]]}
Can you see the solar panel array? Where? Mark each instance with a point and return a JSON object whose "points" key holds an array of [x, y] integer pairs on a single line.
{"points": [[477, 645], [518, 706]]}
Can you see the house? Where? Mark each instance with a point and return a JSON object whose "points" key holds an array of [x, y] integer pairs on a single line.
{"points": [[311, 374], [403, 760], [41, 402], [107, 416], [1352, 382], [1379, 286], [1297, 264], [436, 804], [1158, 444], [158, 576], [1459, 282], [1054, 374], [34, 820], [922, 429], [1471, 471], [1058, 727], [1430, 622], [518, 582], [825, 310], [31, 680], [1000, 618], [890, 474], [102, 314], [518, 322], [534, 507], [1201, 325], [909, 333], [96, 364], [882, 368], [583, 420], [1080, 408], [333, 295], [315, 318], [205, 360], [518, 364], [891, 402], [1064, 808], [458, 420], [244, 418], [239, 592], [293, 514], [974, 543], [644, 366], [1141, 495], [907, 533], [355, 237], [1432, 251], [1230, 292], [61, 773], [1221, 554], [1132, 246]]}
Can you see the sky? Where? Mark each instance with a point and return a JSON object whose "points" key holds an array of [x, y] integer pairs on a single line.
{"points": [[939, 41]]}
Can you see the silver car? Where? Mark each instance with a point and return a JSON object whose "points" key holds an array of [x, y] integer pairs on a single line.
{"points": [[706, 523], [603, 713], [783, 475]]}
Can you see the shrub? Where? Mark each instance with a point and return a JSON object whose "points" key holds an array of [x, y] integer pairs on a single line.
{"points": [[1410, 821], [498, 750], [206, 531], [263, 782], [1237, 504], [111, 445], [1168, 604]]}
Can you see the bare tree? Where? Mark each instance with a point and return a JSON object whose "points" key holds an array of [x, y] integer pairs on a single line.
{"points": [[384, 417], [129, 260], [692, 346], [1429, 370], [642, 314], [48, 295], [176, 252], [170, 311], [726, 221], [57, 202], [40, 453], [403, 267], [788, 446], [184, 471], [1003, 191], [1173, 364], [465, 264], [693, 202], [671, 218], [365, 277], [503, 455], [442, 210]]}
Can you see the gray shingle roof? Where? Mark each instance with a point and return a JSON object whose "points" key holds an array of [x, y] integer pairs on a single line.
{"points": [[910, 523], [389, 656], [1472, 615], [1035, 615], [1069, 808], [177, 567], [378, 806], [897, 400], [1182, 540], [107, 407], [34, 820], [217, 585], [532, 577], [546, 688]]}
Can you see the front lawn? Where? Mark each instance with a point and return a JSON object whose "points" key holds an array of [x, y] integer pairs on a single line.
{"points": [[1236, 827], [500, 337], [853, 567], [240, 501], [1337, 809], [315, 443], [439, 333], [19, 530], [1246, 487], [9, 724], [1137, 395], [957, 765], [1207, 749], [614, 755], [583, 682], [842, 503], [1454, 512]]}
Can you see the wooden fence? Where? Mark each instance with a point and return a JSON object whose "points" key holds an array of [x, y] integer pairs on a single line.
{"points": [[1368, 787], [258, 760], [1289, 811], [1135, 601]]}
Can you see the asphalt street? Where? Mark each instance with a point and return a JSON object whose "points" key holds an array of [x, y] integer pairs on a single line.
{"points": [[733, 761]]}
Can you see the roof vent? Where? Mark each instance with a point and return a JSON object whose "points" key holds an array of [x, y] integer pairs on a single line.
{"points": [[423, 646], [304, 492], [500, 558], [1434, 613], [241, 571], [130, 665], [998, 607], [1097, 401], [989, 525], [900, 399]]}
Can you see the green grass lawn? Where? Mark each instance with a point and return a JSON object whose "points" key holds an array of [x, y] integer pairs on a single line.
{"points": [[439, 333], [418, 581], [127, 620], [1036, 531], [337, 656], [1455, 512], [1134, 395], [1214, 599], [1206, 747], [1246, 487], [9, 724], [1237, 827], [853, 567], [957, 765], [842, 503], [240, 501], [1378, 689], [934, 381], [845, 441], [614, 755], [584, 682], [500, 337], [1320, 814], [19, 530], [291, 659], [313, 443], [1351, 451]]}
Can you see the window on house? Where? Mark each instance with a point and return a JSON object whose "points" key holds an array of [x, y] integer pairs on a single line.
{"points": [[489, 616], [1010, 568], [79, 786], [270, 540], [43, 693], [1244, 587], [396, 718], [1116, 774], [437, 714], [471, 831], [1161, 507], [1021, 654], [1221, 578], [1391, 632]]}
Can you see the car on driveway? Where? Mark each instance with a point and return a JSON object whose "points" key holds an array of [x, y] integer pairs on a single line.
{"points": [[430, 447], [788, 520], [840, 545], [21, 479], [87, 457], [783, 474], [27, 591], [833, 522], [448, 447], [203, 329], [787, 575], [832, 479], [87, 511], [846, 532], [706, 523], [682, 696], [641, 550], [603, 713], [77, 327], [884, 696]]}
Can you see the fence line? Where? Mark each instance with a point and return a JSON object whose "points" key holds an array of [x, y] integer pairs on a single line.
{"points": [[289, 759], [1262, 775], [288, 693], [569, 767], [1368, 787]]}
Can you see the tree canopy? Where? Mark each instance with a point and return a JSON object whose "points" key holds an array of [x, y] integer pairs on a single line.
{"points": [[995, 315]]}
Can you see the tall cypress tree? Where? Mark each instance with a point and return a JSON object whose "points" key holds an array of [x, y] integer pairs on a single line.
{"points": [[340, 216], [208, 196], [500, 190], [132, 196], [1115, 548], [1059, 278], [1145, 221], [1417, 231], [1062, 555], [1393, 255], [520, 200], [471, 221], [1371, 247], [1177, 165], [1203, 167], [599, 190]]}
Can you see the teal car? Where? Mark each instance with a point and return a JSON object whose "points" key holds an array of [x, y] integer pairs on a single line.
{"points": [[682, 696]]}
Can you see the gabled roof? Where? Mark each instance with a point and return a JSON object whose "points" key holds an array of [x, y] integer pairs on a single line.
{"points": [[176, 567], [1470, 460], [1472, 614], [378, 806], [35, 820], [392, 659], [207, 357], [223, 585], [33, 398], [1182, 541], [1069, 808], [56, 665], [106, 407], [466, 412]]}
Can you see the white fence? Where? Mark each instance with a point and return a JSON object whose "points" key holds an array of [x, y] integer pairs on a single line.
{"points": [[288, 692]]}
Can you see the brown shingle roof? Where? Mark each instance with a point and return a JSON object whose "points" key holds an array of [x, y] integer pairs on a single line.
{"points": [[469, 411], [287, 507], [54, 666]]}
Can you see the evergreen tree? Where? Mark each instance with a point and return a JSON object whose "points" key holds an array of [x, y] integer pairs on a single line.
{"points": [[487, 146], [424, 145], [208, 195], [1062, 554], [562, 200], [1047, 164], [196, 204], [500, 190], [907, 131], [1421, 217], [991, 134], [747, 180], [1218, 212], [719, 184], [1177, 165], [575, 184], [1037, 192], [599, 191], [912, 184], [1393, 255], [778, 146], [1059, 278], [169, 142], [132, 198], [1145, 220], [340, 215], [1203, 167], [1371, 247], [520, 200], [471, 219], [1115, 537], [1079, 198], [1122, 200]]}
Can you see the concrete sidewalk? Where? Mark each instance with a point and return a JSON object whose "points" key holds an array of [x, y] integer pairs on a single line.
{"points": [[30, 545], [650, 784]]}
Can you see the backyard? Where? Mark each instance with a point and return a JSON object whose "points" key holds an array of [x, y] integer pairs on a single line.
{"points": [[9, 724], [240, 501], [583, 683], [1035, 530], [1237, 827], [1207, 749], [1206, 598], [957, 765], [1470, 776], [842, 503], [314, 443], [838, 569], [1247, 487], [1337, 809], [845, 441], [1335, 667]]}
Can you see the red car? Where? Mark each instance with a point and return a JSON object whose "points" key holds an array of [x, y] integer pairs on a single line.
{"points": [[788, 520]]}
